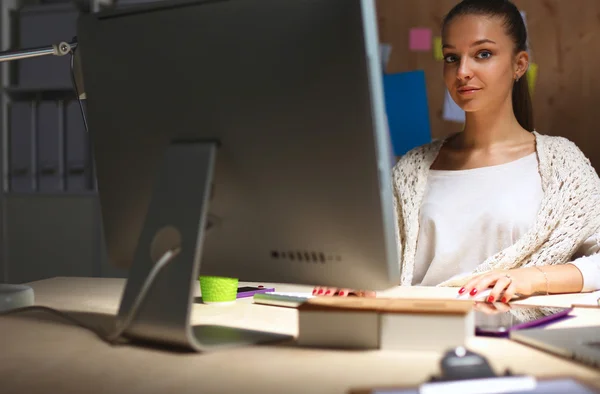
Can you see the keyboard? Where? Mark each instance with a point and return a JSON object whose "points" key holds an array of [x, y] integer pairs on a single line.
{"points": [[281, 298]]}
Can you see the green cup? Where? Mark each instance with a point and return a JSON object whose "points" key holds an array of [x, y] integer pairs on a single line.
{"points": [[217, 289]]}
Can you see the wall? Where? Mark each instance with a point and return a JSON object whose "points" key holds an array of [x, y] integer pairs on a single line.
{"points": [[565, 43]]}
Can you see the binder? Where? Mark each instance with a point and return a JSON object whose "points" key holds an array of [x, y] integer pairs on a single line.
{"points": [[77, 152], [49, 150], [21, 135]]}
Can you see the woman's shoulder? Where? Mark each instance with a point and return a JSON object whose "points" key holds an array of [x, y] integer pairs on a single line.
{"points": [[560, 155], [418, 156], [558, 147]]}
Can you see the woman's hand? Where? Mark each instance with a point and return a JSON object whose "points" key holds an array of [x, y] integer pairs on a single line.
{"points": [[334, 291], [492, 309], [505, 284]]}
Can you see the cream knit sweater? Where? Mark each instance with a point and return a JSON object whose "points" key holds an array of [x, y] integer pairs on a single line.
{"points": [[568, 215]]}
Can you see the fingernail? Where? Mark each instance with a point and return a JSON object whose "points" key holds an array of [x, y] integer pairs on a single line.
{"points": [[503, 300], [320, 292], [491, 299], [314, 291], [473, 292], [462, 290], [328, 292], [341, 293]]}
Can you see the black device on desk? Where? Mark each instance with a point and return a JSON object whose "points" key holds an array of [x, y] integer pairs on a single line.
{"points": [[462, 364]]}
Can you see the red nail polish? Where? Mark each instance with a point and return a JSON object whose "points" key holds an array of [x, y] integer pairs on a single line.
{"points": [[462, 290], [328, 292], [320, 292], [491, 299], [503, 300], [341, 293], [473, 292], [314, 291]]}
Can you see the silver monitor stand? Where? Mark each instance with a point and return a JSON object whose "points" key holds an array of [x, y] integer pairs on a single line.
{"points": [[177, 220]]}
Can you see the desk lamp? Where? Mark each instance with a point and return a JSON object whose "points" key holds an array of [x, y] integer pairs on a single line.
{"points": [[14, 296]]}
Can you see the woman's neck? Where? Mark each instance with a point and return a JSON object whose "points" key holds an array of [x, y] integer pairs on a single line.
{"points": [[486, 129]]}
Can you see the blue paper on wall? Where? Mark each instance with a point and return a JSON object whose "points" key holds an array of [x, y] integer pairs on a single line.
{"points": [[407, 110]]}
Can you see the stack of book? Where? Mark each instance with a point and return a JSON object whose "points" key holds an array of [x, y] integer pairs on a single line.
{"points": [[385, 324]]}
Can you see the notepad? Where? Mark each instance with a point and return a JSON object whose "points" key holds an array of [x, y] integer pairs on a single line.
{"points": [[284, 299]]}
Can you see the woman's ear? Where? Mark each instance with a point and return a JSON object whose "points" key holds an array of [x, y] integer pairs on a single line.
{"points": [[521, 64]]}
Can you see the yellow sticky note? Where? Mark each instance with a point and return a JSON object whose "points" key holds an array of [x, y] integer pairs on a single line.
{"points": [[437, 49], [532, 73]]}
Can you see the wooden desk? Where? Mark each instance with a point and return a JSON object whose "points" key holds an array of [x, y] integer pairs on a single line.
{"points": [[40, 354]]}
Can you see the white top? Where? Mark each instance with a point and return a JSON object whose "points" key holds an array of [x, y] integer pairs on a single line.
{"points": [[468, 215]]}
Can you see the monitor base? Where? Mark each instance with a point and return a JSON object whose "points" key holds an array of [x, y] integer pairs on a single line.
{"points": [[213, 337], [15, 296], [176, 220]]}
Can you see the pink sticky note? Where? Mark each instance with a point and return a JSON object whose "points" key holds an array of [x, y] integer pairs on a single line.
{"points": [[420, 39]]}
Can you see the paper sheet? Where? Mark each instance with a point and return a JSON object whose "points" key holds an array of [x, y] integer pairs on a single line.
{"points": [[524, 16], [452, 111], [385, 51]]}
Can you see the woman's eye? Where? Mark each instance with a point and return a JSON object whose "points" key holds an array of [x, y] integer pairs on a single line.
{"points": [[484, 55], [450, 59]]}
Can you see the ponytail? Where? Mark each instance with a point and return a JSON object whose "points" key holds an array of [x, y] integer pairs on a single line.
{"points": [[522, 106]]}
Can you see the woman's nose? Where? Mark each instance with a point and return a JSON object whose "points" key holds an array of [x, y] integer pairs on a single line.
{"points": [[464, 71]]}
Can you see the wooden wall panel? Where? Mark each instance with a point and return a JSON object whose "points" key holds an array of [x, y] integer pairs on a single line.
{"points": [[565, 43]]}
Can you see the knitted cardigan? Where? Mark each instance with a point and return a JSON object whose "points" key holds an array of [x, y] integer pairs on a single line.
{"points": [[569, 212]]}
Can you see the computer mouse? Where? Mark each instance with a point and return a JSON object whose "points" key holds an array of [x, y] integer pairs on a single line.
{"points": [[480, 296]]}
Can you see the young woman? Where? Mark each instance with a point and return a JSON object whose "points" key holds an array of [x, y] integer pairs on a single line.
{"points": [[498, 205]]}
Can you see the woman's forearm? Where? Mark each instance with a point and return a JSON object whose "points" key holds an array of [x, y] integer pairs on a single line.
{"points": [[563, 278]]}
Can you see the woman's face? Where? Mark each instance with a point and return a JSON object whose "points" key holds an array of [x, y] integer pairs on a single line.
{"points": [[480, 65]]}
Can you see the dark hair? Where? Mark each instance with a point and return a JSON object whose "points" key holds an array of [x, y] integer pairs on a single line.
{"points": [[515, 28]]}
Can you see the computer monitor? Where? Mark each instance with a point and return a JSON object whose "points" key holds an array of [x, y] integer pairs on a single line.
{"points": [[247, 135]]}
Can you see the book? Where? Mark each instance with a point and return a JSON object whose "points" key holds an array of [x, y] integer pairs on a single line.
{"points": [[385, 323], [589, 300]]}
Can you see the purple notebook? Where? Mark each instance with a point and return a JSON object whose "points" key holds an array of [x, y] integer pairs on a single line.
{"points": [[249, 291], [499, 323]]}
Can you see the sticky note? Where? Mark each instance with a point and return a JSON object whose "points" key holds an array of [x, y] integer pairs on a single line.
{"points": [[452, 112], [437, 49], [420, 39], [385, 51], [532, 73], [407, 110]]}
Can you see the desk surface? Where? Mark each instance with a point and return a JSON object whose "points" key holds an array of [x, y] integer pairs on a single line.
{"points": [[40, 354]]}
